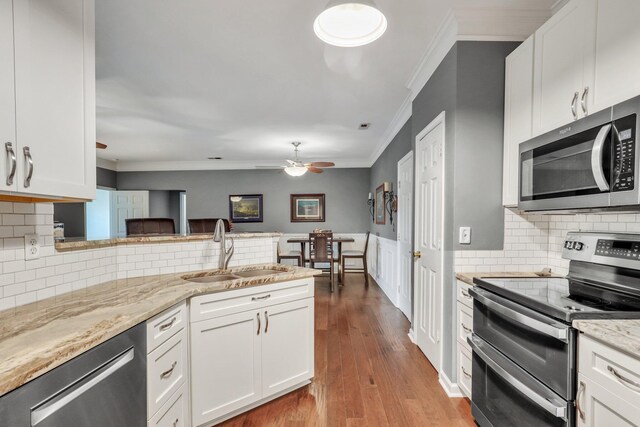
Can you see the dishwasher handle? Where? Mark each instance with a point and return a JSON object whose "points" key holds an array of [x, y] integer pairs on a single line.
{"points": [[79, 387]]}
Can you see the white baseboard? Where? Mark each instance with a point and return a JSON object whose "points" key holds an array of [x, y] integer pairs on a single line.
{"points": [[412, 335], [450, 388]]}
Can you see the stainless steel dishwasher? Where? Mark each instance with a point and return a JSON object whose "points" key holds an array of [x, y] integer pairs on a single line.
{"points": [[104, 387]]}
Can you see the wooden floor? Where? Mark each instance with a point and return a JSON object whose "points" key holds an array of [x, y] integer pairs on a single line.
{"points": [[367, 371]]}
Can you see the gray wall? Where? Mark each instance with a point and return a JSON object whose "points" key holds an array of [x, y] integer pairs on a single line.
{"points": [[208, 195], [162, 204], [106, 178], [386, 169]]}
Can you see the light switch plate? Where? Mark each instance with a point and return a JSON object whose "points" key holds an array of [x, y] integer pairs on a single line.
{"points": [[31, 246], [465, 236]]}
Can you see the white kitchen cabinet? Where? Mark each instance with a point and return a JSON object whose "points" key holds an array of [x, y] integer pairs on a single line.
{"points": [[600, 407], [226, 365], [617, 58], [50, 46], [518, 115], [563, 65], [464, 328], [287, 345]]}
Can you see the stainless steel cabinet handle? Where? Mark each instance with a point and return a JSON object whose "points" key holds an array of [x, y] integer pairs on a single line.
{"points": [[539, 326], [12, 155], [56, 403], [29, 159], [556, 411], [266, 327], [583, 100], [596, 158], [259, 323], [175, 423], [625, 381], [466, 329], [464, 371], [581, 390], [168, 325], [466, 294], [265, 297], [574, 108], [169, 371]]}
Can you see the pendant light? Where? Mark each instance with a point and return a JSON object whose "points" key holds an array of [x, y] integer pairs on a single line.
{"points": [[295, 170], [350, 23]]}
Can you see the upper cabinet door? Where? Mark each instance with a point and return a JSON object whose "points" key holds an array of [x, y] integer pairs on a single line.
{"points": [[7, 99], [55, 97], [517, 115], [617, 53], [564, 54]]}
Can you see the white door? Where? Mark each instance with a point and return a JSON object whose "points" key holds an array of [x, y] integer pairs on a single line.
{"points": [[405, 232], [617, 53], [55, 96], [7, 96], [564, 48], [124, 205], [603, 408], [428, 239], [225, 365], [287, 345]]}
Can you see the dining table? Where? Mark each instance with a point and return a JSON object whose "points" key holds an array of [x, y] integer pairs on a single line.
{"points": [[338, 240]]}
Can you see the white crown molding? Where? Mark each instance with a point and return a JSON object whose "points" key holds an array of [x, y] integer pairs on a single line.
{"points": [[399, 120], [106, 164], [134, 166]]}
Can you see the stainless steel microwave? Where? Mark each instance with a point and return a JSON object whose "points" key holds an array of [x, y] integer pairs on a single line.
{"points": [[591, 163]]}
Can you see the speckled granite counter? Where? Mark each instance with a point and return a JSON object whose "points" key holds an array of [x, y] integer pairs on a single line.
{"points": [[38, 337], [77, 245], [623, 335], [468, 277]]}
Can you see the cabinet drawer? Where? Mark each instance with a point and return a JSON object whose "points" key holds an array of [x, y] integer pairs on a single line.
{"points": [[166, 370], [615, 371], [465, 325], [250, 298], [464, 370], [165, 324], [174, 413], [463, 294]]}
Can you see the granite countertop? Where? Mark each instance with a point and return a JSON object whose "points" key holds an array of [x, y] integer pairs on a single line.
{"points": [[37, 337], [621, 334], [468, 277], [76, 245]]}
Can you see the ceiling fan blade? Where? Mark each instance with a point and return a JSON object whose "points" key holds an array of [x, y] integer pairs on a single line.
{"points": [[292, 162], [100, 145], [320, 164], [314, 169]]}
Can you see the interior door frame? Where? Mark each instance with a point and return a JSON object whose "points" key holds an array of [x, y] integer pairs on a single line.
{"points": [[440, 119], [402, 161]]}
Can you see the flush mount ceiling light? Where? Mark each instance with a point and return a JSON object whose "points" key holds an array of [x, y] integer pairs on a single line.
{"points": [[350, 23], [295, 170]]}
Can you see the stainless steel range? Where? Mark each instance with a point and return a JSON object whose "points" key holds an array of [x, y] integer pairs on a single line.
{"points": [[524, 347]]}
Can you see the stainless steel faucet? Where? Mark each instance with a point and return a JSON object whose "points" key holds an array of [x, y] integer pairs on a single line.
{"points": [[219, 235]]}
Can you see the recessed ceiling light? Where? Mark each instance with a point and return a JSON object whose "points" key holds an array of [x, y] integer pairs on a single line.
{"points": [[215, 158], [364, 126], [350, 23]]}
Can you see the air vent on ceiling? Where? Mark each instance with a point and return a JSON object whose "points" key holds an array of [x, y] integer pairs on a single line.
{"points": [[215, 158], [364, 126]]}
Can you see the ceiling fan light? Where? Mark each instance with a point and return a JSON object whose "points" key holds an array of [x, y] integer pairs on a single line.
{"points": [[295, 170], [350, 23]]}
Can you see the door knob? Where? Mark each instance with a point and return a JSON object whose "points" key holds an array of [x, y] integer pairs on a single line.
{"points": [[417, 254]]}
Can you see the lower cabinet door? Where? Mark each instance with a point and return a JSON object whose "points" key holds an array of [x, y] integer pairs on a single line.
{"points": [[225, 364], [287, 345], [598, 407]]}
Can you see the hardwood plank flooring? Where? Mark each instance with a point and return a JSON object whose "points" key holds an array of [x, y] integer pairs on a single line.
{"points": [[367, 371]]}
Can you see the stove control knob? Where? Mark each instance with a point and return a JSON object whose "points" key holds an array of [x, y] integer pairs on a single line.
{"points": [[578, 246], [568, 244]]}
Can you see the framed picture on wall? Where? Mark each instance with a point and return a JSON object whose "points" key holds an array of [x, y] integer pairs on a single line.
{"points": [[307, 208], [245, 208], [381, 215]]}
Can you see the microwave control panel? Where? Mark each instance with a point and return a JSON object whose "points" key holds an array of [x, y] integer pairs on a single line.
{"points": [[624, 154]]}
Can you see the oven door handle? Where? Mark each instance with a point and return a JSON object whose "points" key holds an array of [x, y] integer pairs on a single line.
{"points": [[596, 158], [561, 334], [556, 411]]}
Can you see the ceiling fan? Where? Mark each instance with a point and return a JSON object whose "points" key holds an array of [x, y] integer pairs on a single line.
{"points": [[298, 168]]}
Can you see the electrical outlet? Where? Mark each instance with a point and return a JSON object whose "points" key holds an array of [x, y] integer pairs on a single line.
{"points": [[31, 246], [465, 236]]}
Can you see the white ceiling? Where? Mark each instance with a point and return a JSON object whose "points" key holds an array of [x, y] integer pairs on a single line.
{"points": [[183, 80]]}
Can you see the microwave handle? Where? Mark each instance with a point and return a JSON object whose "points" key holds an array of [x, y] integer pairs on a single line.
{"points": [[596, 158]]}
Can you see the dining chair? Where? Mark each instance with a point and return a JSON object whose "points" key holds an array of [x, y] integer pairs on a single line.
{"points": [[295, 255], [142, 226], [355, 254], [207, 225], [321, 251]]}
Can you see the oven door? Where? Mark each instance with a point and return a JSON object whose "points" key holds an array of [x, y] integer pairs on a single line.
{"points": [[570, 170], [506, 395], [539, 344]]}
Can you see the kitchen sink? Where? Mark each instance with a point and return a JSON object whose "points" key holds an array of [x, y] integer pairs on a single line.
{"points": [[211, 279], [259, 272]]}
